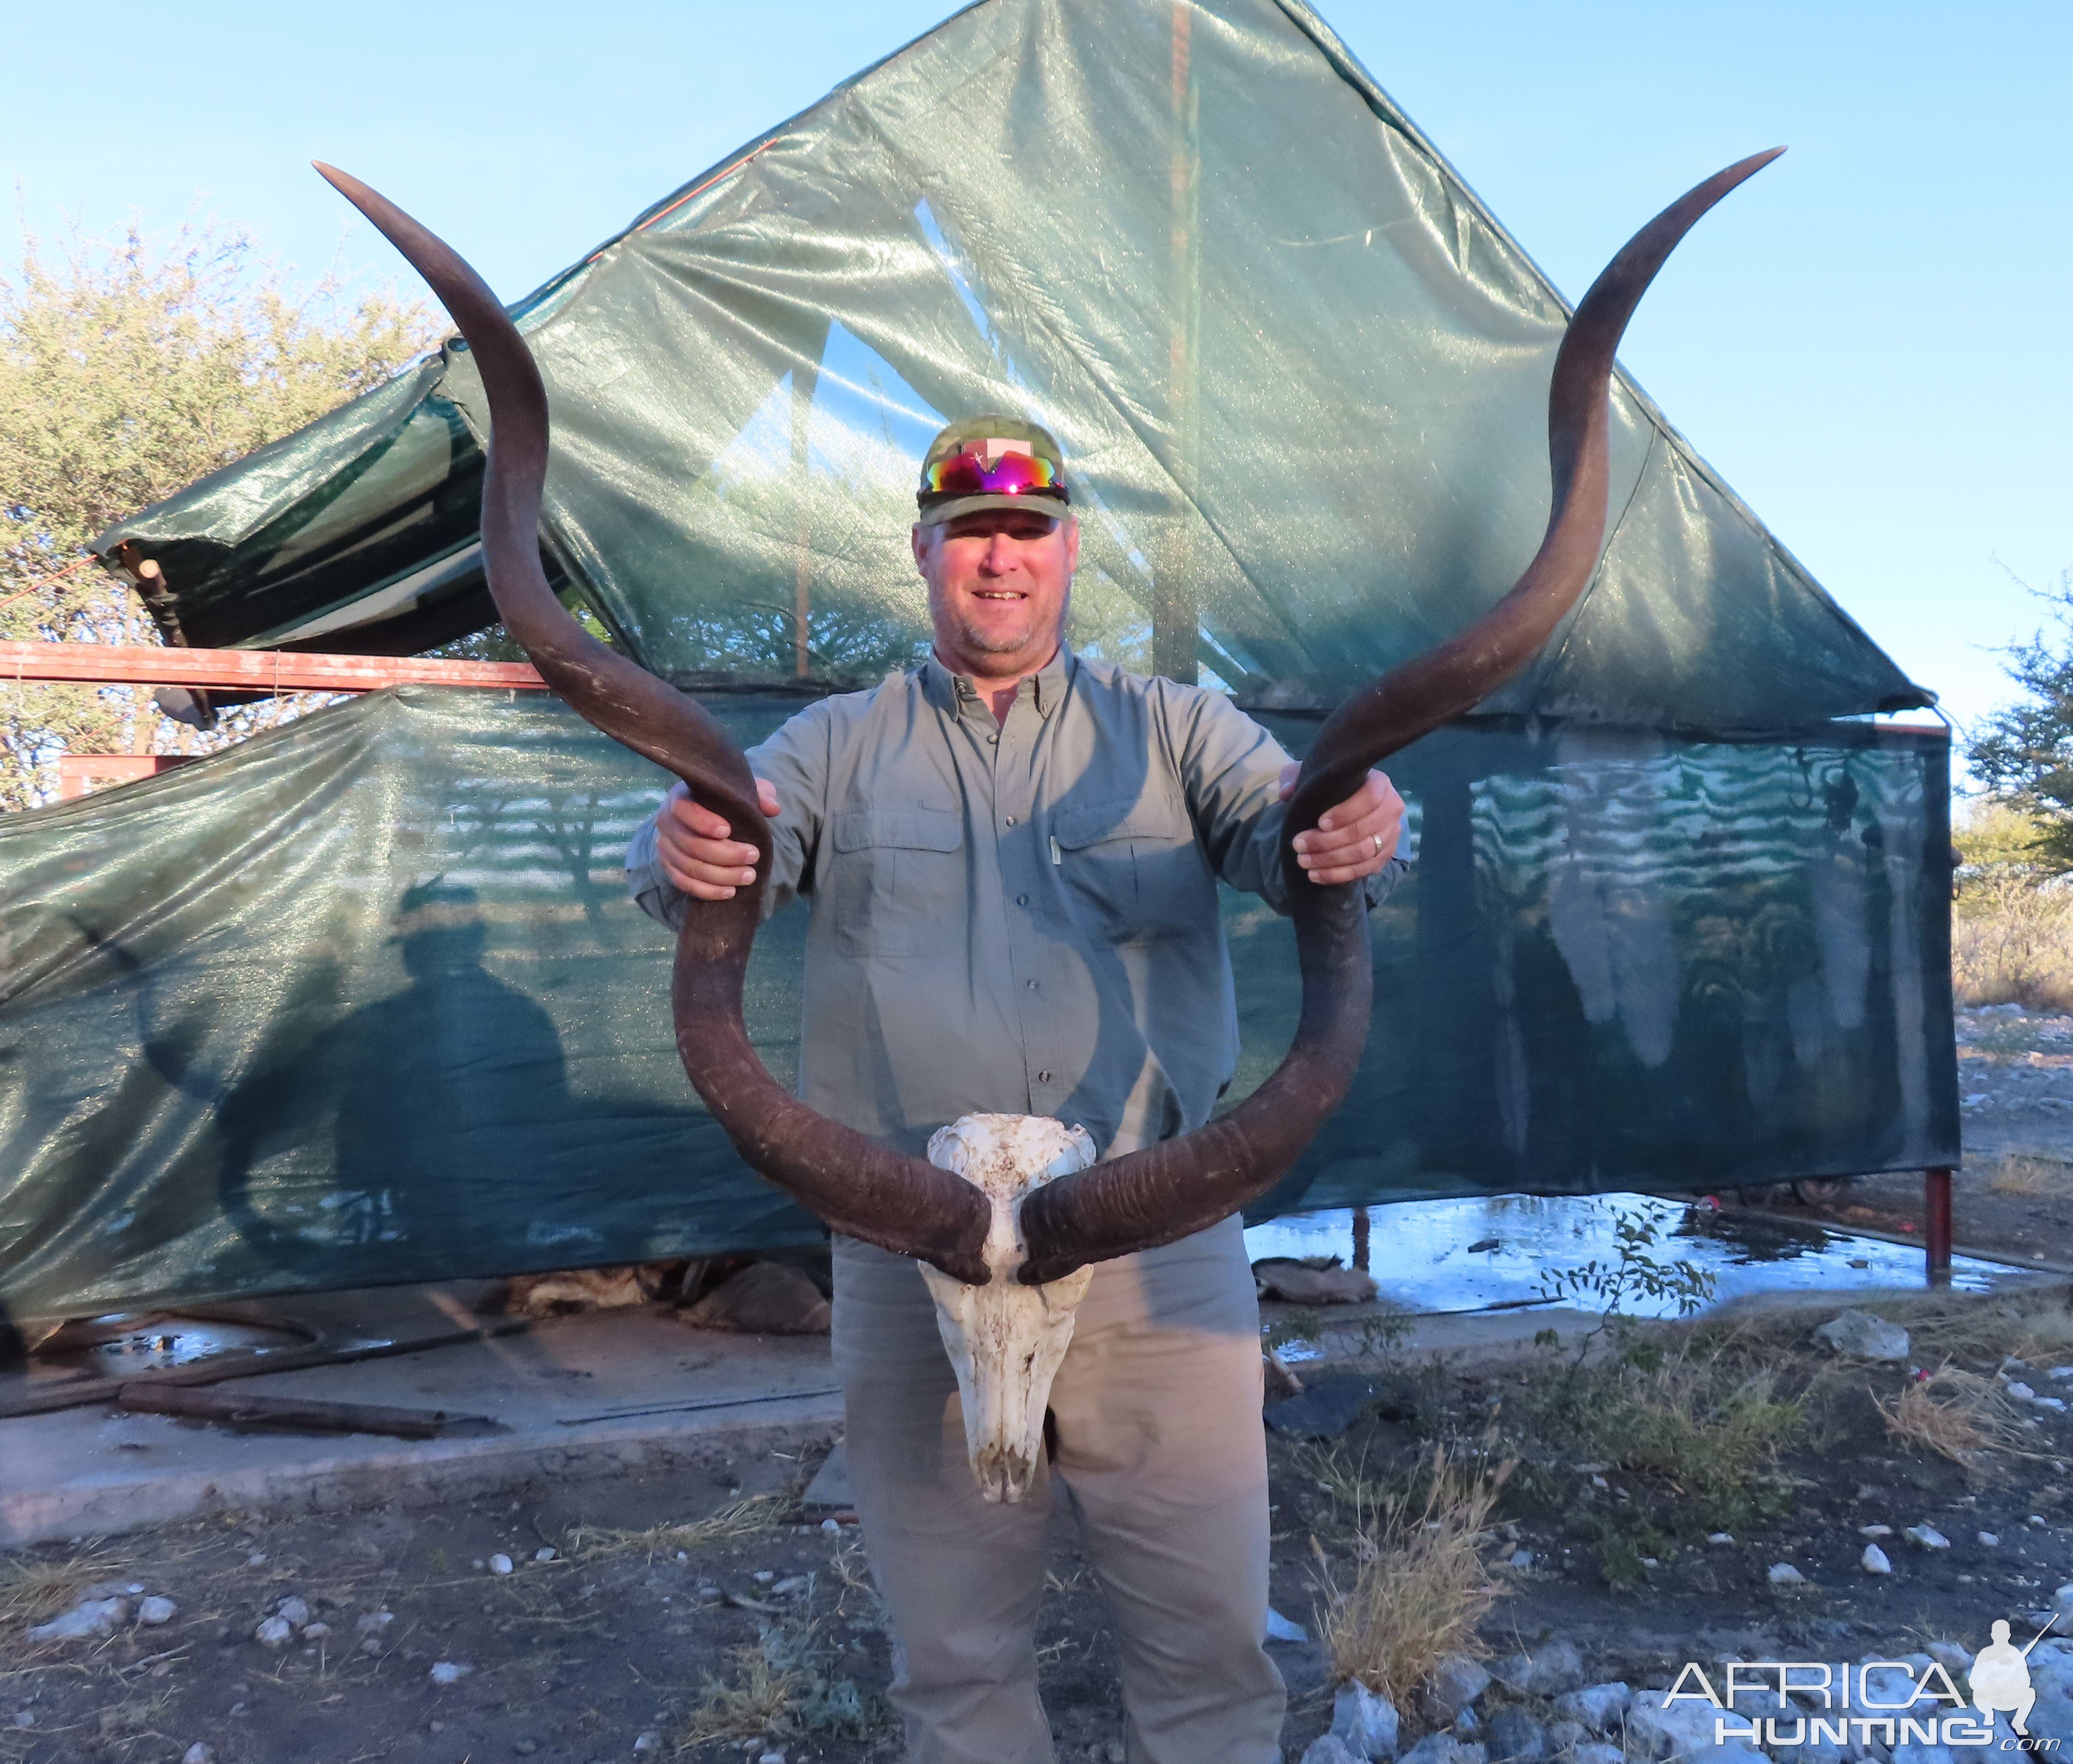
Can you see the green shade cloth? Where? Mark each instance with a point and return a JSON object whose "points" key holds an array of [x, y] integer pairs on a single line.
{"points": [[364, 1000], [1301, 374]]}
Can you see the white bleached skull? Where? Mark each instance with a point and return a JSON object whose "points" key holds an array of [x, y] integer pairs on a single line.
{"points": [[1005, 1340]]}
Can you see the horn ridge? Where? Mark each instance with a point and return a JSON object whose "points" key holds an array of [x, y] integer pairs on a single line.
{"points": [[1170, 1190], [861, 1188]]}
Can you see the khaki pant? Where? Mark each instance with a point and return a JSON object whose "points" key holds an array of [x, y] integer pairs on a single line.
{"points": [[1163, 1462]]}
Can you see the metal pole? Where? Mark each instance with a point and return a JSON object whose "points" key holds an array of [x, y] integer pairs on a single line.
{"points": [[1175, 614], [1936, 1198]]}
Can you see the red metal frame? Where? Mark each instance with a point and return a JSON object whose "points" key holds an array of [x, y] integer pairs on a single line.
{"points": [[1936, 1236], [262, 670]]}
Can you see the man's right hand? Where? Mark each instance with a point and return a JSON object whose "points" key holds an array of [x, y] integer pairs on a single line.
{"points": [[696, 853]]}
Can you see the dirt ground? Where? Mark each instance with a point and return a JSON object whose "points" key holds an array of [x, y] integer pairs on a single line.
{"points": [[2013, 1195], [700, 1613]]}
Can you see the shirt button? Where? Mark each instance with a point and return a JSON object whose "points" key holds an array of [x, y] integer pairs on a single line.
{"points": [[1043, 1077], [1011, 820], [1032, 985], [993, 740], [1022, 899]]}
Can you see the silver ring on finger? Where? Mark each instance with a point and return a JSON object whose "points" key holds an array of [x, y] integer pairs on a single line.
{"points": [[1377, 838]]}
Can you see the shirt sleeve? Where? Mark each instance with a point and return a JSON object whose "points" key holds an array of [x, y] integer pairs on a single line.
{"points": [[1231, 769], [794, 763]]}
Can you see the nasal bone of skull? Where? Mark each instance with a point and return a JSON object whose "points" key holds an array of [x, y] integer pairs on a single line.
{"points": [[1005, 1340]]}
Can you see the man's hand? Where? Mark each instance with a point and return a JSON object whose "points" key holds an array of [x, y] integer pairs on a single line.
{"points": [[1356, 838], [696, 853]]}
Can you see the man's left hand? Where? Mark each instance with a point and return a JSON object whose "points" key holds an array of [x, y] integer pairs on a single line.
{"points": [[1355, 839]]}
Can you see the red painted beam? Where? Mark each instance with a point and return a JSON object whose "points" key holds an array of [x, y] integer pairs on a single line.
{"points": [[1936, 1239], [261, 671]]}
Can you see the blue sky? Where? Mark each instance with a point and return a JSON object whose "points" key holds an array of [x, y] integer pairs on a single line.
{"points": [[1870, 343]]}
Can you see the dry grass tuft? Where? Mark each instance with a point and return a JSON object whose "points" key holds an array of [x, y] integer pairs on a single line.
{"points": [[759, 1701], [34, 1591], [751, 1518], [1420, 1588], [1956, 1414], [2017, 1175]]}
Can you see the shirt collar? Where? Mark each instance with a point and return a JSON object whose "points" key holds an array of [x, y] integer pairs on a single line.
{"points": [[949, 692]]}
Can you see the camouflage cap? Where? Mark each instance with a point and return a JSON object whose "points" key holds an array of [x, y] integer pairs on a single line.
{"points": [[992, 462]]}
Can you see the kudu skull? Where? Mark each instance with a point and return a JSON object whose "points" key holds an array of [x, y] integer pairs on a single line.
{"points": [[978, 1224]]}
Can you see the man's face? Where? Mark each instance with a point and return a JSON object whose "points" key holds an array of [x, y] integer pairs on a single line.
{"points": [[999, 584]]}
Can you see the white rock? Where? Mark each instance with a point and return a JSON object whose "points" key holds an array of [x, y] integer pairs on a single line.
{"points": [[154, 1610], [1279, 1628], [545, 1554], [791, 1584], [770, 1757], [255, 1559], [1864, 1336], [500, 1564], [1683, 1730], [1456, 1683], [1925, 1537], [370, 1622], [1444, 1749], [649, 1742], [89, 1617], [1955, 1660], [1783, 1574], [1874, 1531], [2056, 1404], [1874, 1560], [2062, 1372], [200, 1753], [275, 1632], [1365, 1724], [316, 1632], [1720, 1537], [450, 1671], [1329, 1749], [1600, 1707], [762, 1577], [2021, 1391], [295, 1610], [1991, 1539]]}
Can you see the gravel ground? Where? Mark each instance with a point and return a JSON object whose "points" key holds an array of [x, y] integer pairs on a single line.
{"points": [[702, 1614]]}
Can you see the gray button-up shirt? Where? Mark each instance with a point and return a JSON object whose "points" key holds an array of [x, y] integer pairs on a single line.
{"points": [[1016, 916]]}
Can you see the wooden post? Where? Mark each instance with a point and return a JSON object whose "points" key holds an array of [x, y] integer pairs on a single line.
{"points": [[1360, 1238], [1936, 1245]]}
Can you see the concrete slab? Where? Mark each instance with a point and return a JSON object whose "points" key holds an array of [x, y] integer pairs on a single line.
{"points": [[600, 1392]]}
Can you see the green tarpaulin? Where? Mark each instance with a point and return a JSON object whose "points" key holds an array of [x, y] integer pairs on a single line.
{"points": [[363, 1000]]}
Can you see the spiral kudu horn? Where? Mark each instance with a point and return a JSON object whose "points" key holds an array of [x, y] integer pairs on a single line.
{"points": [[859, 1187], [1165, 1191], [1180, 1185]]}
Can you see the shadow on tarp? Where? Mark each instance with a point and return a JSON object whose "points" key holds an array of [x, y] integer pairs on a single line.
{"points": [[364, 1001]]}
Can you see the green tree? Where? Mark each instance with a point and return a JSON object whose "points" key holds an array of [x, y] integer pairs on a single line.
{"points": [[2023, 752], [130, 367]]}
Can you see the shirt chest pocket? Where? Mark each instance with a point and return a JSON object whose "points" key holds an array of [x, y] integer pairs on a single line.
{"points": [[899, 887], [1134, 870]]}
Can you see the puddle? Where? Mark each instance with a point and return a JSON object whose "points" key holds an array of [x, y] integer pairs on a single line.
{"points": [[1419, 1250], [118, 1346]]}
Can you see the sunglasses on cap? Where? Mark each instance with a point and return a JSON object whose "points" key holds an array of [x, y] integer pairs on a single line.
{"points": [[1008, 474]]}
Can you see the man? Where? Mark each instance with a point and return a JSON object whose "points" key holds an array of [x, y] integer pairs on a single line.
{"points": [[1011, 856]]}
